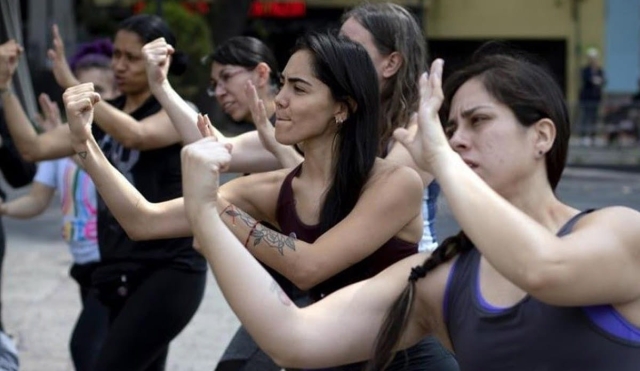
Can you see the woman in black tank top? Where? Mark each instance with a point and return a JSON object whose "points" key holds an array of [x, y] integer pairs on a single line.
{"points": [[531, 284], [138, 281]]}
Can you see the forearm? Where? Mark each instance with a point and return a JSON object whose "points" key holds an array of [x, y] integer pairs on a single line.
{"points": [[257, 300], [513, 243], [122, 198], [290, 257], [182, 115], [25, 207], [250, 156], [122, 127], [22, 132]]}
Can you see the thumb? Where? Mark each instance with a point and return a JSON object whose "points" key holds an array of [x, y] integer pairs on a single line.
{"points": [[95, 98], [51, 54], [403, 136]]}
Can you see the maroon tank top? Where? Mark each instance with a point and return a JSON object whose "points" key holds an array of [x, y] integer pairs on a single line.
{"points": [[390, 252]]}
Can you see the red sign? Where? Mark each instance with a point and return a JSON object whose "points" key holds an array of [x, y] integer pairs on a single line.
{"points": [[278, 9]]}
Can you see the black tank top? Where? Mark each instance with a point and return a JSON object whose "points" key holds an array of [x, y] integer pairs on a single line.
{"points": [[156, 174], [532, 335], [393, 250]]}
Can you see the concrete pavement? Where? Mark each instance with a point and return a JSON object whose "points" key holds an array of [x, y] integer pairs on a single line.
{"points": [[41, 302]]}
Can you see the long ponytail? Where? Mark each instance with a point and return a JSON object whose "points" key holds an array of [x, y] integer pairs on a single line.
{"points": [[398, 315]]}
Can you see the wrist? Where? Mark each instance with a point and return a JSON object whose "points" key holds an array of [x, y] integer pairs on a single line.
{"points": [[445, 162], [5, 89], [82, 147]]}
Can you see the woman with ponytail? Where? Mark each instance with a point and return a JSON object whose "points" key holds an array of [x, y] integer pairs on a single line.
{"points": [[321, 208], [151, 289], [515, 291]]}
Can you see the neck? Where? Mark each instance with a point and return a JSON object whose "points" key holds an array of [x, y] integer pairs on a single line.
{"points": [[535, 198], [318, 161], [135, 100]]}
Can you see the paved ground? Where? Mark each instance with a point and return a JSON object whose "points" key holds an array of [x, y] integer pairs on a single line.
{"points": [[40, 301]]}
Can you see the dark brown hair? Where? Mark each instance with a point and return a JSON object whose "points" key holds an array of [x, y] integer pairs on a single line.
{"points": [[394, 29], [531, 92]]}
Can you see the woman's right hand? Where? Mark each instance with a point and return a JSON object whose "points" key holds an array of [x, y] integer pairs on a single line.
{"points": [[50, 117], [202, 162], [78, 103], [157, 57], [60, 66], [9, 54]]}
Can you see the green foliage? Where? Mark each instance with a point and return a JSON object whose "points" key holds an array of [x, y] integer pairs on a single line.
{"points": [[193, 38]]}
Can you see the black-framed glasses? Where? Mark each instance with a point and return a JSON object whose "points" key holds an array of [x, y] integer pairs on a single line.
{"points": [[225, 77]]}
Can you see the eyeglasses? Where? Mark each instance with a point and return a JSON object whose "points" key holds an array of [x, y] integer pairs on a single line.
{"points": [[225, 78]]}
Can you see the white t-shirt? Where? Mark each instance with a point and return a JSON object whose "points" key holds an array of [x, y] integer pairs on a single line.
{"points": [[79, 206]]}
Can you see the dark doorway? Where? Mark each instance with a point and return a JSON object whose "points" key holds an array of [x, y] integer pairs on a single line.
{"points": [[552, 53]]}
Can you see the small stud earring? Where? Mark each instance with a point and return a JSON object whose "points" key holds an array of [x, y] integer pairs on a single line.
{"points": [[338, 120]]}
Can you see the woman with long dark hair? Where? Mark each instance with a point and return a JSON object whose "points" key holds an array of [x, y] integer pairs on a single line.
{"points": [[328, 102], [515, 291]]}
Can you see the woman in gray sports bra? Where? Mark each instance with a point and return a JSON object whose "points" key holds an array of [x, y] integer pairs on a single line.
{"points": [[532, 284]]}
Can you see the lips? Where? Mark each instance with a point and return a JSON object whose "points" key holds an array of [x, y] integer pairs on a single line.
{"points": [[470, 163], [226, 106]]}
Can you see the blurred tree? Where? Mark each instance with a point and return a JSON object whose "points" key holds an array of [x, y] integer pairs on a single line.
{"points": [[228, 18], [193, 38]]}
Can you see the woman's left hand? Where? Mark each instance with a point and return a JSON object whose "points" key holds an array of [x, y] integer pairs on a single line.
{"points": [[78, 103], [60, 66]]}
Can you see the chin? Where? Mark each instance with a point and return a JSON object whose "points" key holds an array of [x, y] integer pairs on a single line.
{"points": [[284, 140]]}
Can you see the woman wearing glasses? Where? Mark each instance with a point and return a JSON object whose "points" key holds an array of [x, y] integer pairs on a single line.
{"points": [[244, 72]]}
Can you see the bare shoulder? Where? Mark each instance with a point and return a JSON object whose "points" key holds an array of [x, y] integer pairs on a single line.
{"points": [[390, 174], [619, 222]]}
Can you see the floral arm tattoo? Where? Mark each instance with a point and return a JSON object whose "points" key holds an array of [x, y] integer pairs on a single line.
{"points": [[257, 231]]}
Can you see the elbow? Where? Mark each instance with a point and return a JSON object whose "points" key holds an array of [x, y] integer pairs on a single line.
{"points": [[540, 278], [286, 354], [306, 277], [30, 154], [135, 233], [285, 360]]}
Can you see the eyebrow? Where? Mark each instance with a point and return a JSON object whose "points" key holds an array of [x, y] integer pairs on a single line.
{"points": [[293, 80], [467, 113]]}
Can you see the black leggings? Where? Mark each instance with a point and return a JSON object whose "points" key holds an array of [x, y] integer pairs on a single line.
{"points": [[89, 332], [143, 326], [93, 322]]}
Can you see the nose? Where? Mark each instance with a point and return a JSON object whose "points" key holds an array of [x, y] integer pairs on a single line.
{"points": [[280, 99], [219, 90], [117, 64]]}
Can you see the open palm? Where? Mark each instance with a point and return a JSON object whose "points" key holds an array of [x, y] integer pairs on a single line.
{"points": [[430, 141]]}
